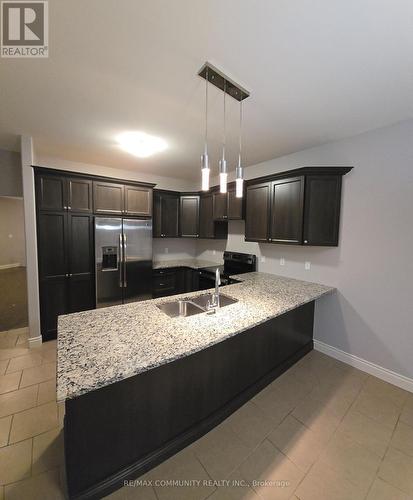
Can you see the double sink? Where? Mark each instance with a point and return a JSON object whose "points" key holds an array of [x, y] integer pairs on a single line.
{"points": [[194, 305]]}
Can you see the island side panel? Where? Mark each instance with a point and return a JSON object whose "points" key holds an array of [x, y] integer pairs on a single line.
{"points": [[122, 430]]}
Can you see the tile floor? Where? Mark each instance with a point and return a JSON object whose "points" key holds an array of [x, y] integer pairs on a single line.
{"points": [[323, 430]]}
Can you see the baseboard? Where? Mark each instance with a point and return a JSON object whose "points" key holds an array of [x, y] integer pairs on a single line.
{"points": [[394, 378], [10, 266], [35, 341]]}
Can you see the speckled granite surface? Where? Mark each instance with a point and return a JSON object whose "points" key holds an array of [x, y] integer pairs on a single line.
{"points": [[103, 346], [193, 263]]}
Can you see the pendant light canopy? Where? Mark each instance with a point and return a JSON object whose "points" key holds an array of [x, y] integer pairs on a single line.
{"points": [[228, 86], [204, 158]]}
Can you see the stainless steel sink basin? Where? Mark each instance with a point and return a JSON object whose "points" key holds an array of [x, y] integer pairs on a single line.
{"points": [[194, 305]]}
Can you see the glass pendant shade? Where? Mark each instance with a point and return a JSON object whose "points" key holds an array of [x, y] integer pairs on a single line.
{"points": [[239, 182], [205, 172], [223, 176]]}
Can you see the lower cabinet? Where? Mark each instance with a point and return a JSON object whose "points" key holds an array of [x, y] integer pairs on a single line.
{"points": [[172, 281]]}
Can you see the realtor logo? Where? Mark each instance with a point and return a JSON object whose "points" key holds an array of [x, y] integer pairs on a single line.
{"points": [[24, 29]]}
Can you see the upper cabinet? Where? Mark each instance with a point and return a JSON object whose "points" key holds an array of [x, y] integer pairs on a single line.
{"points": [[208, 227], [189, 216], [166, 214], [79, 195], [300, 207], [138, 200], [234, 204], [108, 198], [58, 192], [220, 208]]}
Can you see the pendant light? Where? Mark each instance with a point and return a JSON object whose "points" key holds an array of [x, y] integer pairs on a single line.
{"points": [[239, 181], [223, 174], [204, 158]]}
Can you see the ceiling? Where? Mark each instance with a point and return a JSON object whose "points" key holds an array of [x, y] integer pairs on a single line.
{"points": [[317, 70]]}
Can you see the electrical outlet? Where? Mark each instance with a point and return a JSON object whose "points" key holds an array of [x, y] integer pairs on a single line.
{"points": [[282, 261], [166, 250], [307, 265], [262, 259]]}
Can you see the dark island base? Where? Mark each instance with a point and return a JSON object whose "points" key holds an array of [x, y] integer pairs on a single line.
{"points": [[122, 430]]}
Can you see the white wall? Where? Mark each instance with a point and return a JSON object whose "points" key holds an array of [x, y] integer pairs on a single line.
{"points": [[174, 249], [370, 315], [10, 174], [12, 245]]}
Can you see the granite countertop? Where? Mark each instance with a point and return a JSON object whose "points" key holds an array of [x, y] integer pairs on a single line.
{"points": [[192, 263], [99, 347]]}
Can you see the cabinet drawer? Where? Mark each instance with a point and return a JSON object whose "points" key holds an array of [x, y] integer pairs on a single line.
{"points": [[164, 281]]}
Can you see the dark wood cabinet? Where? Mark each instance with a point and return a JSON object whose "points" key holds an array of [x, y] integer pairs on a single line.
{"points": [[108, 198], [51, 192], [287, 199], [234, 205], [322, 210], [79, 195], [208, 227], [220, 205], [189, 216], [166, 214], [257, 214], [300, 207], [138, 201], [172, 281]]}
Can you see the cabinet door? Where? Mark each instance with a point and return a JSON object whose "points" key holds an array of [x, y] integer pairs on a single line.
{"points": [[53, 302], [80, 291], [79, 193], [189, 216], [257, 211], [206, 217], [220, 206], [108, 198], [234, 205], [166, 215], [51, 192], [287, 198], [322, 210], [138, 201], [52, 244]]}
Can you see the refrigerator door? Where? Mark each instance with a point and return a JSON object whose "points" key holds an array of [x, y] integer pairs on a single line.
{"points": [[137, 250], [108, 261]]}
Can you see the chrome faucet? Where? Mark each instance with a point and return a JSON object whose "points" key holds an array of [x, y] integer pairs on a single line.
{"points": [[214, 303]]}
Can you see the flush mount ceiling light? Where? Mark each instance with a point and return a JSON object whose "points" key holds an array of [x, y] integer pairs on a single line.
{"points": [[141, 144], [228, 86]]}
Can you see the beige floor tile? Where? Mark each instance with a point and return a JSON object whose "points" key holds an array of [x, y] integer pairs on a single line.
{"points": [[182, 466], [133, 493], [13, 352], [220, 452], [385, 390], [38, 374], [324, 483], [313, 414], [403, 438], [367, 432], [250, 424], [15, 462], [7, 342], [270, 473], [16, 401], [35, 421], [47, 451], [407, 412], [353, 461], [297, 442], [22, 362], [19, 331], [9, 382], [397, 470], [22, 341], [272, 406], [5, 424], [47, 392], [44, 486], [45, 346], [380, 409], [333, 398], [3, 366], [237, 488], [49, 356], [383, 491]]}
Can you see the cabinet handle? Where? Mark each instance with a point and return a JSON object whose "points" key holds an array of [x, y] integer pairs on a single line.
{"points": [[269, 239], [69, 207], [305, 241], [64, 207]]}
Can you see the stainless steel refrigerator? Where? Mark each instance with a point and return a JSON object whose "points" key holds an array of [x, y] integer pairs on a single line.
{"points": [[123, 257]]}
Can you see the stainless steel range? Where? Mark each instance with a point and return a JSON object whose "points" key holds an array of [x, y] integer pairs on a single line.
{"points": [[234, 263]]}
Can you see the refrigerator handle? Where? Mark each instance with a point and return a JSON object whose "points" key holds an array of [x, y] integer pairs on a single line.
{"points": [[121, 263], [125, 282]]}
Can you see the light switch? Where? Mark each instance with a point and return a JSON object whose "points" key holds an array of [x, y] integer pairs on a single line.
{"points": [[307, 265], [282, 261]]}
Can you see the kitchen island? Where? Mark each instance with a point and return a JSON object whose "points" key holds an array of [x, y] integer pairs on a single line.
{"points": [[139, 386]]}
